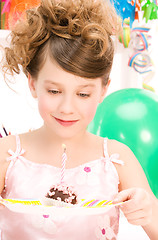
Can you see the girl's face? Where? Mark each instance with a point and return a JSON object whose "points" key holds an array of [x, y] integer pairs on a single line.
{"points": [[67, 103]]}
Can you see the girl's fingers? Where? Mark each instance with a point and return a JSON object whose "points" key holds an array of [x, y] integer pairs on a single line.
{"points": [[133, 198], [123, 196], [136, 205], [129, 200]]}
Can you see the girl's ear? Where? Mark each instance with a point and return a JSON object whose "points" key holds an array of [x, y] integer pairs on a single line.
{"points": [[104, 91], [32, 86]]}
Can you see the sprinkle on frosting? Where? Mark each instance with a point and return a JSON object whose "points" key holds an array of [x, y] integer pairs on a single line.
{"points": [[62, 193]]}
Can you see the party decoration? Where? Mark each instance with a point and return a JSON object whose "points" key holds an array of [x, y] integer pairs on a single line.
{"points": [[146, 81], [13, 6], [140, 62], [131, 117], [125, 9], [140, 38], [125, 36], [137, 9], [4, 132], [150, 9], [13, 9], [4, 16], [6, 7], [140, 59]]}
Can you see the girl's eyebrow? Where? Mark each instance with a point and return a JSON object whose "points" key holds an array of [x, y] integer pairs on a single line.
{"points": [[51, 82], [79, 86], [87, 85]]}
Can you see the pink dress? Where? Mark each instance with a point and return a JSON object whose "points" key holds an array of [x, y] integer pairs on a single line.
{"points": [[97, 179]]}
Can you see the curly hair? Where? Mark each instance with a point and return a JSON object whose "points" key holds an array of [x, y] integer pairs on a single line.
{"points": [[75, 33]]}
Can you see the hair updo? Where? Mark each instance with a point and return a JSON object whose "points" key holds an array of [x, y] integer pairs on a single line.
{"points": [[75, 33]]}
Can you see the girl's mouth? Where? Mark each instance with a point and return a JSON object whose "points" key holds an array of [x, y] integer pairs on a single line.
{"points": [[66, 123]]}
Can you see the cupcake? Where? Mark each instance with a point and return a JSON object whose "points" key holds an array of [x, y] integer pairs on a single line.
{"points": [[60, 195]]}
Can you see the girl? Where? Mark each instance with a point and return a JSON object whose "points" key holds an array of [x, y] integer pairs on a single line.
{"points": [[66, 50]]}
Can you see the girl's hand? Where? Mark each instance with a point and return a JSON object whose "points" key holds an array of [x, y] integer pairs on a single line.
{"points": [[137, 206]]}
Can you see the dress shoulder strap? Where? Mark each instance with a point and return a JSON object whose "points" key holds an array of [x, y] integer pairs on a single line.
{"points": [[114, 157], [106, 155], [18, 152]]}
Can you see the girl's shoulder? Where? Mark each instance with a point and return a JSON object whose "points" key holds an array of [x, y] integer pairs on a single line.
{"points": [[112, 146], [5, 144], [115, 146], [130, 167]]}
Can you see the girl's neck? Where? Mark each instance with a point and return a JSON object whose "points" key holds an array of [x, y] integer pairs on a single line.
{"points": [[51, 139]]}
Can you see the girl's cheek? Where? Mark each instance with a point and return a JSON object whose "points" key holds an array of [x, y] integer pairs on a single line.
{"points": [[44, 106], [90, 111]]}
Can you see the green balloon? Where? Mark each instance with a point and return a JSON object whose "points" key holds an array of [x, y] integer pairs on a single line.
{"points": [[131, 117]]}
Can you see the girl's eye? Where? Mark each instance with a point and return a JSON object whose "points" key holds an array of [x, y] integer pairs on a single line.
{"points": [[84, 95], [54, 91]]}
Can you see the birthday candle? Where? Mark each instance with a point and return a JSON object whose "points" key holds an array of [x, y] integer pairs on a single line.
{"points": [[64, 159]]}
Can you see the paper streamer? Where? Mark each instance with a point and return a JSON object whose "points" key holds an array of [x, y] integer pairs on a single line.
{"points": [[124, 38], [140, 59], [146, 80], [140, 39], [141, 62], [140, 42]]}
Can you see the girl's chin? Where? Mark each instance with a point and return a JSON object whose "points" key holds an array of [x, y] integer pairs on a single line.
{"points": [[64, 132]]}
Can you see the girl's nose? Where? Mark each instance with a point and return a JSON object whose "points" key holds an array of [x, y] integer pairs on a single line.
{"points": [[67, 105]]}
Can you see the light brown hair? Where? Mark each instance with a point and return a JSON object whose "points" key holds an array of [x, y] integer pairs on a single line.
{"points": [[75, 33]]}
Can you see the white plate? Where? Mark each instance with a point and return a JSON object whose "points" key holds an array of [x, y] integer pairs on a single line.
{"points": [[53, 210]]}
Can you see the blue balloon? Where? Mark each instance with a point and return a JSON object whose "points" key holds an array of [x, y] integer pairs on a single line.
{"points": [[131, 117]]}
